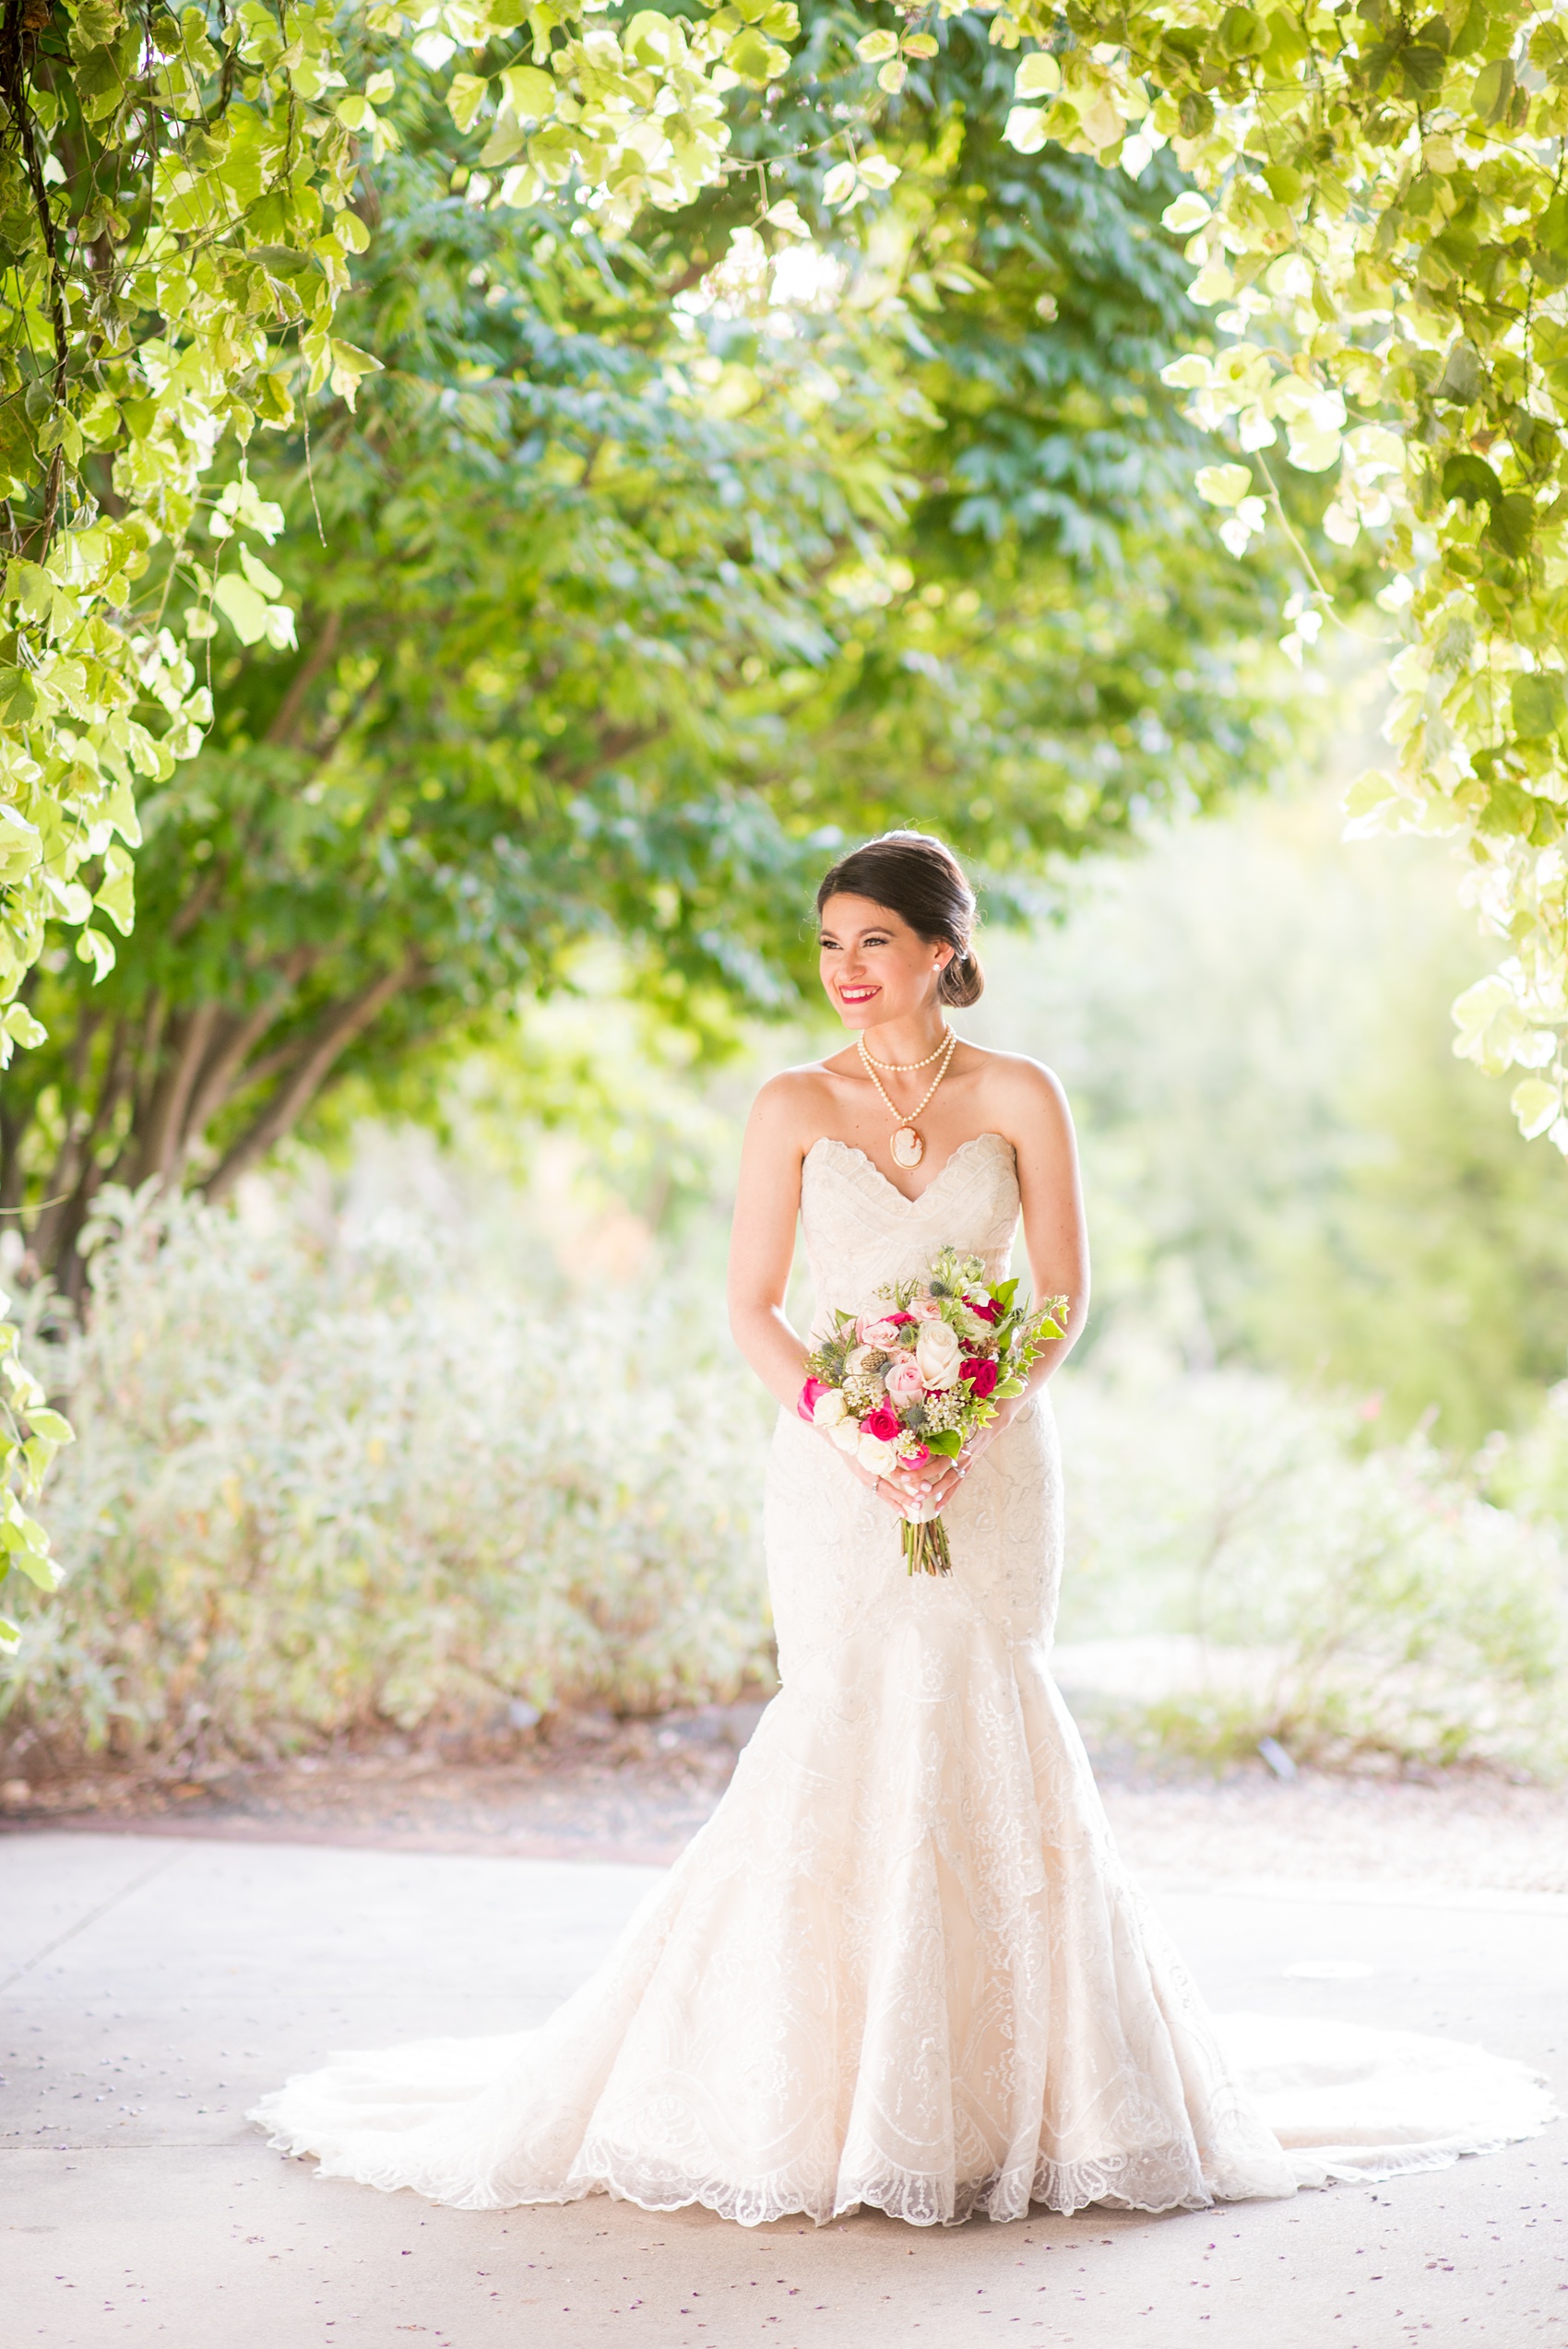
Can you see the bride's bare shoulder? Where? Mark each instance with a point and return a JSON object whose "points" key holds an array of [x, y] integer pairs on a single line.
{"points": [[1020, 1088], [794, 1101]]}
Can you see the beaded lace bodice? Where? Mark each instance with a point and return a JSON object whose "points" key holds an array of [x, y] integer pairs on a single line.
{"points": [[861, 1232]]}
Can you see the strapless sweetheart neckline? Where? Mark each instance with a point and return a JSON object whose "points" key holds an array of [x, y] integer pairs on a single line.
{"points": [[851, 1150]]}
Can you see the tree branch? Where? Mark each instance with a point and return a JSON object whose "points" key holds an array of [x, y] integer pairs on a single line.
{"points": [[54, 1237], [189, 1034], [200, 898], [283, 733], [19, 28], [614, 743], [222, 1068], [14, 1123], [330, 1038]]}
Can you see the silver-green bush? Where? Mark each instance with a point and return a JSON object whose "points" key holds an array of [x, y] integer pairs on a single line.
{"points": [[388, 1467], [322, 1484]]}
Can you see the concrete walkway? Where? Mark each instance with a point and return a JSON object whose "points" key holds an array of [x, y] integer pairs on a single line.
{"points": [[152, 1987]]}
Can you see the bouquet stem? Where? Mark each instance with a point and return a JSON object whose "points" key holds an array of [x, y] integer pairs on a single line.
{"points": [[925, 1548]]}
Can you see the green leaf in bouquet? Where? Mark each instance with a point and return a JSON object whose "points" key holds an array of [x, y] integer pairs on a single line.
{"points": [[1005, 1291], [949, 1442], [1009, 1386]]}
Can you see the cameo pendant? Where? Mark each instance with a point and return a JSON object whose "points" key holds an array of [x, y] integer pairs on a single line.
{"points": [[907, 1147]]}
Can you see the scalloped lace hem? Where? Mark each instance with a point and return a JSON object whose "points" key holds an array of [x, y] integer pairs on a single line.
{"points": [[1153, 2183]]}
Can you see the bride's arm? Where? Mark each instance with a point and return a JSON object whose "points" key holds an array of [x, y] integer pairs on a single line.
{"points": [[1029, 1107], [784, 1123], [762, 1239], [1055, 1237]]}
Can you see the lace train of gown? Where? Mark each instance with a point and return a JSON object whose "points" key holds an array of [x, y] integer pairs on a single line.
{"points": [[901, 1964]]}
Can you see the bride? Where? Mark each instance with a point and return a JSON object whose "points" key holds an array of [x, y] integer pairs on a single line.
{"points": [[901, 1964]]}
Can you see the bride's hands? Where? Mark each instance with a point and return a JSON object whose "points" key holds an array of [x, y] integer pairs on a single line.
{"points": [[935, 1483], [892, 1491]]}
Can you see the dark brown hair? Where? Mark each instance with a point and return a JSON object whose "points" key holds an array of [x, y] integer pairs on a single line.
{"points": [[921, 880]]}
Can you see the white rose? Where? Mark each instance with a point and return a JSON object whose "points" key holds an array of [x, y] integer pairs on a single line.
{"points": [[877, 1458], [830, 1408], [846, 1434], [939, 1354]]}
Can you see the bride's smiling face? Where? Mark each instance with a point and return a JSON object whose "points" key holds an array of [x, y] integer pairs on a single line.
{"points": [[875, 968]]}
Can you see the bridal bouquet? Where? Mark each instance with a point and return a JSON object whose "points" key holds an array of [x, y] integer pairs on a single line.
{"points": [[892, 1388]]}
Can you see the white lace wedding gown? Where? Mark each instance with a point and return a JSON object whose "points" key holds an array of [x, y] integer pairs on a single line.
{"points": [[901, 1964]]}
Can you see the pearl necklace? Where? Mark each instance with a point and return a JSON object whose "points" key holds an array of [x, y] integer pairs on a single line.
{"points": [[907, 1147], [907, 1068]]}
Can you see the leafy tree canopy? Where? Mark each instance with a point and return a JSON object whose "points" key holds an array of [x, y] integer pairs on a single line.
{"points": [[1376, 215], [641, 573]]}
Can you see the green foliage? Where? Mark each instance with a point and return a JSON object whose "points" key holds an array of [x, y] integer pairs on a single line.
{"points": [[622, 111], [1377, 209], [176, 223], [624, 611], [1381, 218], [175, 204], [1279, 1581], [381, 1481]]}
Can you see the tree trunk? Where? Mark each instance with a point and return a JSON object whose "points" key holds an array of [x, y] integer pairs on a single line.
{"points": [[158, 1140]]}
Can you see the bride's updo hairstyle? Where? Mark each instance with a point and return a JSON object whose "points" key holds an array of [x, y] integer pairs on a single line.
{"points": [[921, 880]]}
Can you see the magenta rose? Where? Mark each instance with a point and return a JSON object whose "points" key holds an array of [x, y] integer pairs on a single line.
{"points": [[989, 1311], [809, 1392], [883, 1424], [905, 1380], [916, 1458], [980, 1372]]}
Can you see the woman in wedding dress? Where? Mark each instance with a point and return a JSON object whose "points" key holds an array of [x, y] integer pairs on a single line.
{"points": [[901, 1964]]}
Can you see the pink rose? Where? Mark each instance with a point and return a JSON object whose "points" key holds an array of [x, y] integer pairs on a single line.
{"points": [[905, 1379], [873, 1330], [883, 1424], [925, 1308], [916, 1457], [809, 1393], [980, 1372]]}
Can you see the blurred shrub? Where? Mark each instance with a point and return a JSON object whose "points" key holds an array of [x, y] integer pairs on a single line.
{"points": [[1286, 1165], [1342, 1601], [324, 1482], [383, 1463]]}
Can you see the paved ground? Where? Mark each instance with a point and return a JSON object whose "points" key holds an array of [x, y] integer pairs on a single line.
{"points": [[153, 1985], [589, 1786]]}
